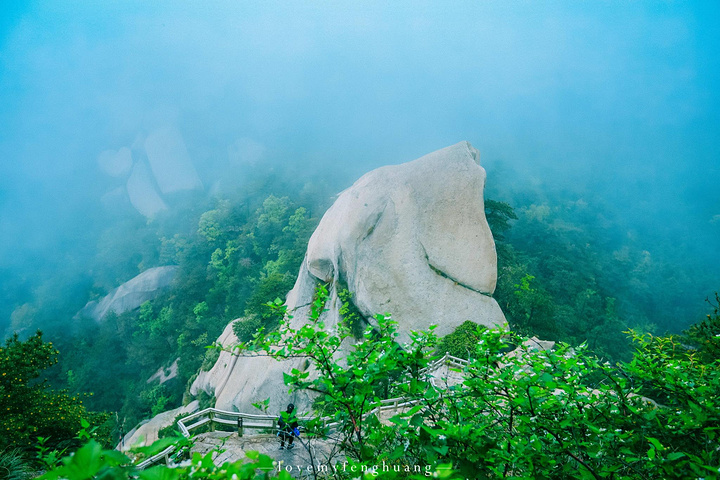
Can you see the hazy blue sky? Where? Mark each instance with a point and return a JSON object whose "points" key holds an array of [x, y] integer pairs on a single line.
{"points": [[621, 96]]}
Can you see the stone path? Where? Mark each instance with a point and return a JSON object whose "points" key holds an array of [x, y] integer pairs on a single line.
{"points": [[297, 462]]}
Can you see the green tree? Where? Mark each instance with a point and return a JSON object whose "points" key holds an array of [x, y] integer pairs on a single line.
{"points": [[30, 409], [705, 336], [461, 342], [533, 413], [498, 215]]}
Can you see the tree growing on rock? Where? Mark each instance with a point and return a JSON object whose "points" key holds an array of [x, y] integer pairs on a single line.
{"points": [[532, 413]]}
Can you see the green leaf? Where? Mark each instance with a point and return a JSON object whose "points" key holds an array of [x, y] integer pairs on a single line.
{"points": [[675, 456], [656, 443], [159, 472], [444, 470], [85, 463], [113, 457], [159, 445], [441, 450]]}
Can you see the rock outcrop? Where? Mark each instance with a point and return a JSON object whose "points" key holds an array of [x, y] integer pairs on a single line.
{"points": [[147, 433], [170, 162], [411, 240], [131, 294], [154, 169], [142, 192], [116, 163]]}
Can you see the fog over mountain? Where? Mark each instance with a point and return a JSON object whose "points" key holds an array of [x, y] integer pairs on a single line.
{"points": [[111, 112]]}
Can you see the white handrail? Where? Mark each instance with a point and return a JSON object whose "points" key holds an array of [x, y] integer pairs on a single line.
{"points": [[208, 415], [150, 461]]}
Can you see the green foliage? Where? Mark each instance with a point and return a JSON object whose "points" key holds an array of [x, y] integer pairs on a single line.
{"points": [[350, 314], [172, 431], [13, 465], [705, 336], [245, 329], [274, 285], [156, 398], [205, 400], [498, 215], [532, 309], [30, 409], [211, 356], [347, 393], [530, 414], [461, 342], [554, 281], [232, 257], [92, 461]]}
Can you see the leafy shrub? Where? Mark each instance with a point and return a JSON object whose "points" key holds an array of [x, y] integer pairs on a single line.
{"points": [[211, 356], [351, 314], [462, 342], [172, 429], [528, 414], [245, 329], [29, 408]]}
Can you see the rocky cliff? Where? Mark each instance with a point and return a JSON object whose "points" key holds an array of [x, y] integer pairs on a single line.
{"points": [[411, 240], [131, 294]]}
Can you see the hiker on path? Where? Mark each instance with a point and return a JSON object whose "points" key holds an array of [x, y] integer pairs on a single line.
{"points": [[288, 427]]}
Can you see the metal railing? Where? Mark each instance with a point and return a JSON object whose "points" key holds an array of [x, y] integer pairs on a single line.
{"points": [[237, 419], [165, 454], [242, 421]]}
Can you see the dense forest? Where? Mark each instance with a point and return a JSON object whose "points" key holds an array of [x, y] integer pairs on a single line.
{"points": [[163, 166], [565, 273]]}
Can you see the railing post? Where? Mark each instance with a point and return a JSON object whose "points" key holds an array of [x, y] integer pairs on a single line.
{"points": [[240, 426], [211, 416]]}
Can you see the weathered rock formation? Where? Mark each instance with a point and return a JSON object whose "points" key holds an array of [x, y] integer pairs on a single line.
{"points": [[153, 169], [147, 433], [142, 192], [411, 240], [163, 375], [170, 162], [131, 294]]}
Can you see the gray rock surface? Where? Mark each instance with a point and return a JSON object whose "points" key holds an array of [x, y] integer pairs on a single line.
{"points": [[163, 375], [170, 161], [142, 192], [147, 433], [298, 461], [116, 163], [131, 294], [411, 240]]}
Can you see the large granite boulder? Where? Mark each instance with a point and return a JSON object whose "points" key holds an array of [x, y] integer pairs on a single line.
{"points": [[170, 161], [411, 240], [116, 163], [148, 432], [142, 192], [131, 294]]}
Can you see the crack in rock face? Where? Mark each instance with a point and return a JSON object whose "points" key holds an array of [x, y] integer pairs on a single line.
{"points": [[411, 240]]}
